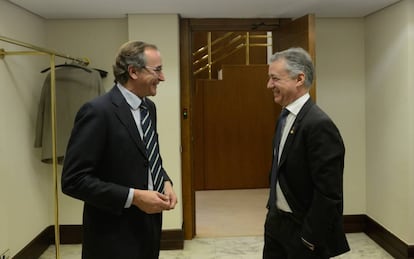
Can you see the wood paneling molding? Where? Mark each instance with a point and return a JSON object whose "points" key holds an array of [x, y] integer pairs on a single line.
{"points": [[266, 24]]}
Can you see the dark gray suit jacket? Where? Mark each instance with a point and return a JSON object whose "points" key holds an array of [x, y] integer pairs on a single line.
{"points": [[74, 87], [105, 157], [311, 177]]}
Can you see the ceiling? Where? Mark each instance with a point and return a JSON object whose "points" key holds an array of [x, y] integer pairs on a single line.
{"points": [[83, 9]]}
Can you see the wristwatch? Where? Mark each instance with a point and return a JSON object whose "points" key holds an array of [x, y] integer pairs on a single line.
{"points": [[308, 245]]}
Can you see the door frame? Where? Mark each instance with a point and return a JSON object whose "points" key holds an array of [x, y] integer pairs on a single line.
{"points": [[187, 27]]}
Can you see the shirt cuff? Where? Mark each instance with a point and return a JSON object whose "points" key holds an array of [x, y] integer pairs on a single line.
{"points": [[129, 198], [308, 244]]}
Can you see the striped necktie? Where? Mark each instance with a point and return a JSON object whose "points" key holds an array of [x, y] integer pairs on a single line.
{"points": [[151, 143]]}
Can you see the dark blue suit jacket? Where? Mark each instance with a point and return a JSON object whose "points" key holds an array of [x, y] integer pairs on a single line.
{"points": [[105, 157]]}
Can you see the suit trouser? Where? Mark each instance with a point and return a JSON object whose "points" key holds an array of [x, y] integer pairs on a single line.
{"points": [[282, 239], [128, 240]]}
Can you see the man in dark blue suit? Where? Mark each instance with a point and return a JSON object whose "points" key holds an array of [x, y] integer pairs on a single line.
{"points": [[109, 166], [305, 216]]}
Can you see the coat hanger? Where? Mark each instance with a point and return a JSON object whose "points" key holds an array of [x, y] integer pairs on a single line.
{"points": [[102, 73], [68, 65]]}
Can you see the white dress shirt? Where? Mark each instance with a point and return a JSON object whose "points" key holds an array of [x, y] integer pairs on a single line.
{"points": [[293, 108], [134, 102]]}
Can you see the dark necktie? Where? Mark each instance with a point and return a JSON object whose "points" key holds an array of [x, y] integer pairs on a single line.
{"points": [[275, 164], [151, 143]]}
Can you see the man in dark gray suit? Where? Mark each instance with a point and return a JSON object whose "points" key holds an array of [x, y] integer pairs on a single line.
{"points": [[305, 204], [109, 166]]}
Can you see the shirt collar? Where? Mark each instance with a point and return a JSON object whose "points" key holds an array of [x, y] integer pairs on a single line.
{"points": [[295, 107], [133, 101]]}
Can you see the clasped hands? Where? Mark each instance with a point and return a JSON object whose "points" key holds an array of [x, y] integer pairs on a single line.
{"points": [[154, 202]]}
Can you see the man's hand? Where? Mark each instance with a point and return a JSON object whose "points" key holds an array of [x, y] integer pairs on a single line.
{"points": [[169, 192], [151, 201]]}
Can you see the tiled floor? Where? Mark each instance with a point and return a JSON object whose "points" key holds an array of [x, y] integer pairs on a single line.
{"points": [[216, 210], [236, 248], [220, 235]]}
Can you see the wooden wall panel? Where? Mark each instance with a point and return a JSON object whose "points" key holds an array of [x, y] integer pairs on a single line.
{"points": [[238, 119]]}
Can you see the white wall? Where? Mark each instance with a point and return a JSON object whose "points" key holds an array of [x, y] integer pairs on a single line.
{"points": [[96, 39], [340, 91], [410, 81], [389, 120], [25, 183]]}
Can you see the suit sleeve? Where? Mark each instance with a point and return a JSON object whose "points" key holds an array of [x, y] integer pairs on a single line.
{"points": [[81, 176], [326, 158]]}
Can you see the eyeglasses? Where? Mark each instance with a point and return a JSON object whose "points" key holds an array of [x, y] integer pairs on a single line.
{"points": [[157, 70]]}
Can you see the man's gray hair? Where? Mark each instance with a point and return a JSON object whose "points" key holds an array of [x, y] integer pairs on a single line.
{"points": [[297, 61], [130, 54]]}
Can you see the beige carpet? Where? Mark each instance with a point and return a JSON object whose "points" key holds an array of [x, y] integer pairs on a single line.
{"points": [[228, 213]]}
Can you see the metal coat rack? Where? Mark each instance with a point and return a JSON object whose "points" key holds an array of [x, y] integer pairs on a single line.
{"points": [[35, 50]]}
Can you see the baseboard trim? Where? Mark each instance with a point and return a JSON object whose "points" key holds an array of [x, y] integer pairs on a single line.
{"points": [[388, 241], [355, 223], [72, 234], [174, 239], [392, 244], [37, 246]]}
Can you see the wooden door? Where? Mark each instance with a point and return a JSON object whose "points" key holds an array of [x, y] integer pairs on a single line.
{"points": [[235, 124]]}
